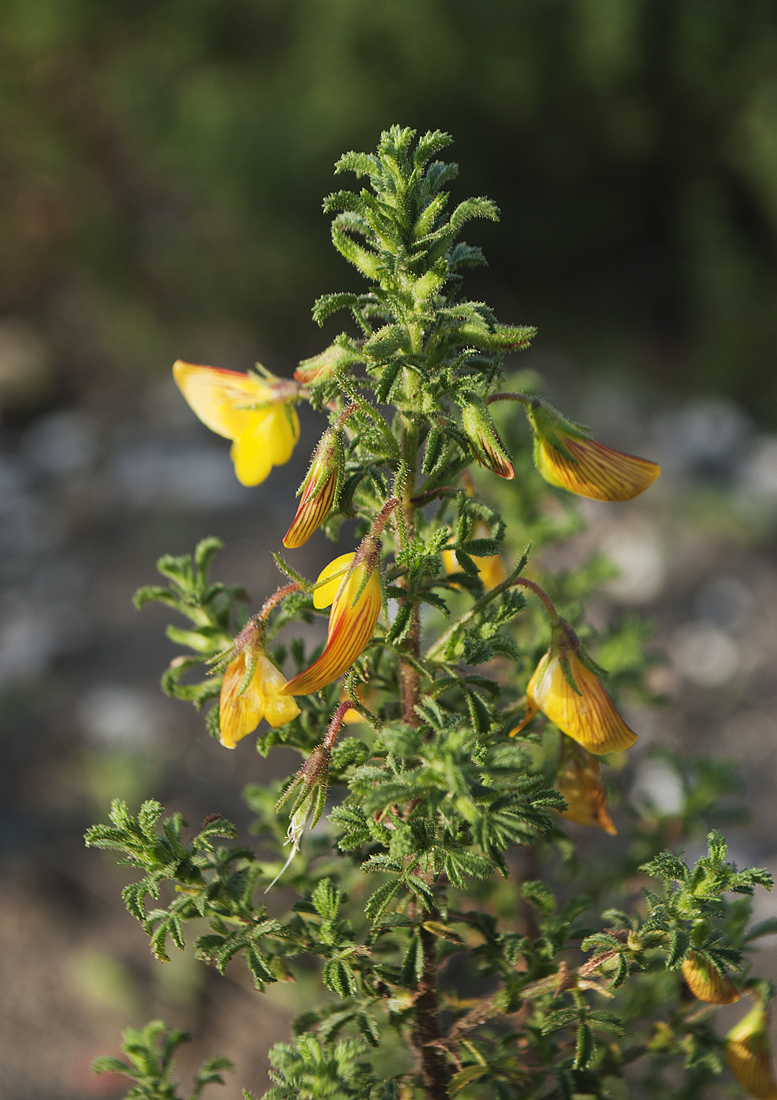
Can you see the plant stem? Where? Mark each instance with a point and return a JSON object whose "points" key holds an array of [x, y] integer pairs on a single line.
{"points": [[410, 678], [497, 590], [275, 599], [433, 1063]]}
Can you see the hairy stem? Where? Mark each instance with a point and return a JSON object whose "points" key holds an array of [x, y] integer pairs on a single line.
{"points": [[427, 1018], [433, 1063], [409, 675]]}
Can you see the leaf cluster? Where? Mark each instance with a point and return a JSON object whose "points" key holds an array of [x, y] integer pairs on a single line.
{"points": [[150, 1063]]}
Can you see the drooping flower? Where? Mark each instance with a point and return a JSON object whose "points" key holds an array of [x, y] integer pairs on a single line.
{"points": [[706, 982], [252, 689], [484, 440], [351, 584], [749, 1056], [567, 456], [579, 780], [318, 490], [256, 413], [586, 713], [491, 570]]}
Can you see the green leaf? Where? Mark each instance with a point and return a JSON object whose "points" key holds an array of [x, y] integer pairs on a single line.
{"points": [[585, 1047], [466, 1076], [260, 971], [413, 963], [380, 900], [326, 899], [106, 1064], [680, 943], [339, 977], [539, 895]]}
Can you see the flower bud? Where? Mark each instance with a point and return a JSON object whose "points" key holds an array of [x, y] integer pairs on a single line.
{"points": [[567, 456], [484, 440], [310, 787], [579, 781], [323, 366], [706, 982], [749, 1056], [319, 489]]}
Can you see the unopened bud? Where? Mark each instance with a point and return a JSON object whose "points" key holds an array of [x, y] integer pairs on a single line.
{"points": [[484, 440], [310, 787], [323, 366], [319, 489]]}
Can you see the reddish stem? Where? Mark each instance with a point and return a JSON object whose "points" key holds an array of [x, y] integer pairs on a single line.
{"points": [[272, 601], [334, 725]]}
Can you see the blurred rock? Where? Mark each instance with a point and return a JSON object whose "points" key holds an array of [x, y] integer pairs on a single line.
{"points": [[180, 477], [120, 716], [25, 364], [61, 444], [634, 547], [706, 439], [704, 654]]}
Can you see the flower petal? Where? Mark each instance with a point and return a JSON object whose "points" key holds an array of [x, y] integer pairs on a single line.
{"points": [[594, 470], [707, 983], [325, 594], [589, 718], [351, 625], [311, 513], [753, 1070], [239, 714], [579, 781], [278, 708], [216, 395]]}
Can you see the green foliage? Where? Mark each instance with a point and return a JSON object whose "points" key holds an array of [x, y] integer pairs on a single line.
{"points": [[209, 607], [494, 974], [150, 1051]]}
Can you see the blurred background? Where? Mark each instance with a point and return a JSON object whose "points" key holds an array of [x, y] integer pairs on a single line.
{"points": [[161, 174]]}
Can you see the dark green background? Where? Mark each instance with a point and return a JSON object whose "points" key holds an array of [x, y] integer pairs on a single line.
{"points": [[162, 167]]}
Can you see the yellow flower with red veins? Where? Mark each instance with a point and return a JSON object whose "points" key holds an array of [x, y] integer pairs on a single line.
{"points": [[579, 780], [567, 456], [318, 490], [252, 689], [706, 982], [585, 712], [351, 584], [749, 1056], [256, 413]]}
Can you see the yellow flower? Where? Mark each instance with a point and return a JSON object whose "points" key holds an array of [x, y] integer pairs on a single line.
{"points": [[350, 583], [579, 781], [318, 489], [252, 689], [592, 470], [587, 715], [491, 570], [706, 982], [567, 456], [257, 414], [749, 1057]]}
